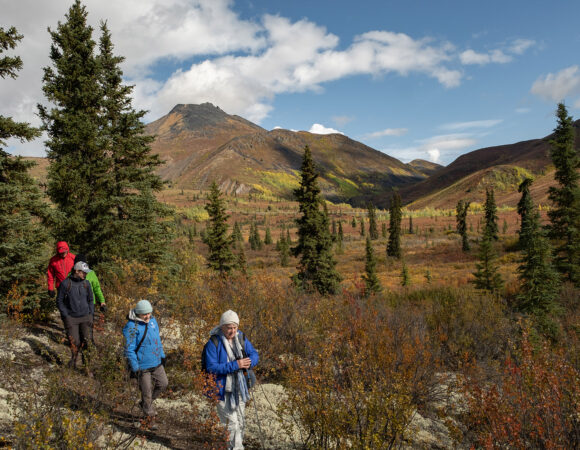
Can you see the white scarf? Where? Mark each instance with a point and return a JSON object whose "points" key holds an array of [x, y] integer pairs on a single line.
{"points": [[241, 387]]}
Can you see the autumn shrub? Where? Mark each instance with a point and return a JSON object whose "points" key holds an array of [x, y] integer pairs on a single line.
{"points": [[361, 377], [535, 403], [467, 324]]}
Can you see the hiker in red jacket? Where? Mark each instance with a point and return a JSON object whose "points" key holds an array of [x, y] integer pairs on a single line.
{"points": [[59, 266]]}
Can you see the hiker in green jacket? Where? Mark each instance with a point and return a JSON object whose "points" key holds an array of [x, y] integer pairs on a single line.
{"points": [[98, 296]]}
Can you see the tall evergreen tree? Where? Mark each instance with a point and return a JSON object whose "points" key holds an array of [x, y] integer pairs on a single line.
{"points": [[237, 233], [372, 284], [268, 236], [461, 218], [340, 232], [284, 250], [220, 255], [539, 280], [525, 209], [362, 226], [411, 231], [373, 229], [128, 210], [405, 279], [384, 230], [317, 265], [487, 276], [353, 222], [23, 235], [564, 217], [101, 174], [395, 217], [73, 124], [241, 263], [491, 218]]}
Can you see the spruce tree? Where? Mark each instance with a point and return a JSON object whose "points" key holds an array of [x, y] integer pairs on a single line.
{"points": [[372, 284], [73, 124], [23, 235], [564, 217], [102, 173], [411, 231], [241, 263], [491, 218], [539, 280], [353, 222], [487, 276], [268, 237], [395, 216], [317, 265], [525, 209], [384, 230], [220, 255], [405, 279], [284, 250], [461, 216], [373, 229], [340, 232], [237, 233], [362, 226], [128, 211]]}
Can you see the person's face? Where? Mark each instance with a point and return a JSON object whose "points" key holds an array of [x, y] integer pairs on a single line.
{"points": [[63, 254], [144, 317], [229, 330], [80, 274]]}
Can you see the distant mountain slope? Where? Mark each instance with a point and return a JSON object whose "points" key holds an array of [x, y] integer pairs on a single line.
{"points": [[426, 167], [502, 167], [202, 143]]}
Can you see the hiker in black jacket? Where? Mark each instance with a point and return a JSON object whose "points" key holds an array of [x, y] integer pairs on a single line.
{"points": [[76, 305]]}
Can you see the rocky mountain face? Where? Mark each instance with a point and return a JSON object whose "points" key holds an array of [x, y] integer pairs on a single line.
{"points": [[202, 143]]}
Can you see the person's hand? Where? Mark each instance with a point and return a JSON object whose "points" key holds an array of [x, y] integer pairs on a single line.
{"points": [[244, 363], [103, 308], [51, 293], [163, 361]]}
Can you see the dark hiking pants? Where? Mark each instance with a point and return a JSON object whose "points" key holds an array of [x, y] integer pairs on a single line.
{"points": [[79, 331]]}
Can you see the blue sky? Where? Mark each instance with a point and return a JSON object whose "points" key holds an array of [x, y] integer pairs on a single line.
{"points": [[415, 79]]}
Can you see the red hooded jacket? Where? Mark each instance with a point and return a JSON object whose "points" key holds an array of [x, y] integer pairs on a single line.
{"points": [[58, 267]]}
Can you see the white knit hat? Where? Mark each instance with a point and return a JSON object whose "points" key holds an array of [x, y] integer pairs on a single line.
{"points": [[229, 317]]}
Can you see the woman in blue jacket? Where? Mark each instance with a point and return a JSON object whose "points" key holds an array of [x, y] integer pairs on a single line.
{"points": [[144, 351], [227, 359]]}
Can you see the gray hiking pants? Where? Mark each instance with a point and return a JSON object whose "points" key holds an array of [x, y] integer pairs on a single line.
{"points": [[79, 331], [152, 383]]}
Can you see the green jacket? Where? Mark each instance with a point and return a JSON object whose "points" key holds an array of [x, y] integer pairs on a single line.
{"points": [[98, 294]]}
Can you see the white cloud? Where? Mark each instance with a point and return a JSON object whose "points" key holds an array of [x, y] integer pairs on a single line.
{"points": [[519, 46], [499, 55], [523, 110], [440, 148], [556, 87], [246, 62], [471, 124], [321, 129], [387, 132], [434, 155]]}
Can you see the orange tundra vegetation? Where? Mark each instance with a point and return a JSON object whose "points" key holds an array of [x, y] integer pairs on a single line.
{"points": [[357, 370]]}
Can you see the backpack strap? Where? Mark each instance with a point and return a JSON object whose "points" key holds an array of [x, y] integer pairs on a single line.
{"points": [[214, 339], [143, 338]]}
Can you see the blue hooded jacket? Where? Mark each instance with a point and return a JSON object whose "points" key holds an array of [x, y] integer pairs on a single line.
{"points": [[217, 361], [151, 350]]}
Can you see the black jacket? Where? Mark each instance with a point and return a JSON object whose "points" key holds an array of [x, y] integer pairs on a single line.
{"points": [[75, 298]]}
